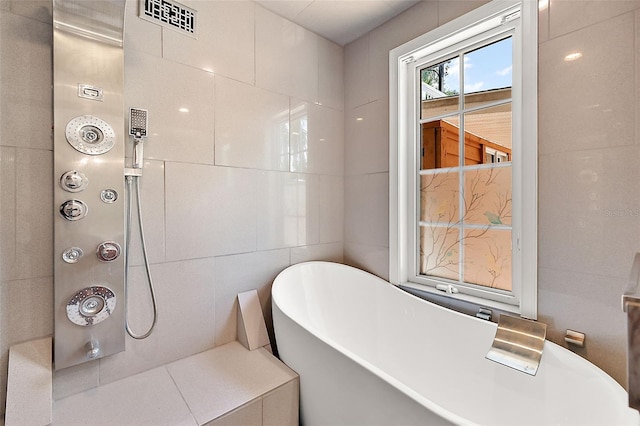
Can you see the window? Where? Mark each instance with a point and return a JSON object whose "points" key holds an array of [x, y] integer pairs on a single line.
{"points": [[463, 159]]}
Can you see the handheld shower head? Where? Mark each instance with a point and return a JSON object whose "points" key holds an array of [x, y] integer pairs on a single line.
{"points": [[138, 123]]}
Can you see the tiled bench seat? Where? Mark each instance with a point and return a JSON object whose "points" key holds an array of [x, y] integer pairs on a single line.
{"points": [[228, 385]]}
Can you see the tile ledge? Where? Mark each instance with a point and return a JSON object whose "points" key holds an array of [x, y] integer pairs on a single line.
{"points": [[30, 384]]}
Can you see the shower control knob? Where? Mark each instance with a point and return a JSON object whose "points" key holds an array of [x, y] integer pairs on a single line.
{"points": [[108, 251], [73, 181], [73, 209], [93, 349], [109, 196], [72, 255]]}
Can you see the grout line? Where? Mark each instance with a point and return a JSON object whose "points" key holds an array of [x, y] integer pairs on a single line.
{"points": [[181, 395]]}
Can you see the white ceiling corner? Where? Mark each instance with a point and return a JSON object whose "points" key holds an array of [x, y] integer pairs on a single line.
{"points": [[341, 21]]}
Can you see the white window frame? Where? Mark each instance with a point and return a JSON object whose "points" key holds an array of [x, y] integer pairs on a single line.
{"points": [[519, 17]]}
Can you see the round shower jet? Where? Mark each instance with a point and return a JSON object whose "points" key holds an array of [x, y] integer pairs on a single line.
{"points": [[90, 135], [91, 305]]}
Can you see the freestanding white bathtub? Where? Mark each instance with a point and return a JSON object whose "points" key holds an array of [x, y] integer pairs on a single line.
{"points": [[369, 353]]}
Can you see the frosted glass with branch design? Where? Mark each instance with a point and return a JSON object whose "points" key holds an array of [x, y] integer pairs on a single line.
{"points": [[465, 230]]}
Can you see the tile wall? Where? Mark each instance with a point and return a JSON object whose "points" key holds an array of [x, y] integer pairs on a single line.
{"points": [[247, 182], [589, 180]]}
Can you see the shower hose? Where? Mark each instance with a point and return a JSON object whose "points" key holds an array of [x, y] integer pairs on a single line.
{"points": [[144, 254]]}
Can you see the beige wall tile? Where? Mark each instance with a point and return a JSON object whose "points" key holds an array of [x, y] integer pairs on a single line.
{"points": [[449, 10], [4, 362], [543, 21], [331, 252], [34, 230], [596, 312], [583, 104], [152, 200], [140, 35], [317, 139], [26, 102], [19, 323], [405, 27], [166, 88], [186, 296], [299, 209], [367, 138], [225, 43], [221, 204], [308, 209], [8, 215], [286, 56], [251, 127], [637, 68], [566, 16], [277, 215], [289, 207], [356, 73], [367, 257], [330, 77], [26, 191], [366, 216], [40, 10], [331, 216], [589, 223]]}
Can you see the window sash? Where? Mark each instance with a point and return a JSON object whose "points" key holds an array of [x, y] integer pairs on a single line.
{"points": [[462, 284], [458, 50], [405, 62]]}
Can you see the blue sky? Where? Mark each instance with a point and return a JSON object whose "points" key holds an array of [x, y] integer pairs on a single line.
{"points": [[489, 67], [485, 69]]}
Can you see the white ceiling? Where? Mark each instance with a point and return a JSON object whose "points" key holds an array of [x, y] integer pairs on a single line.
{"points": [[341, 21]]}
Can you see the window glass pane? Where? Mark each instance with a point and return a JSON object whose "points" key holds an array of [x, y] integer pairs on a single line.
{"points": [[439, 197], [480, 99], [487, 257], [488, 68], [488, 134], [440, 88], [440, 143], [440, 251], [487, 196]]}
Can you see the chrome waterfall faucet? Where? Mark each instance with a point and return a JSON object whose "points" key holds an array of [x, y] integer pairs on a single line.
{"points": [[631, 305]]}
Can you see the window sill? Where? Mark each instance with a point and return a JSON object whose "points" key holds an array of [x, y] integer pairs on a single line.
{"points": [[462, 303]]}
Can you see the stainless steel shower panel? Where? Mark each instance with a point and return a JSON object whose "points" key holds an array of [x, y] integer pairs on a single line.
{"points": [[99, 20], [89, 141]]}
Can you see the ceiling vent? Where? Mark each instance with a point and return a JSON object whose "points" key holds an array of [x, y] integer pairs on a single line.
{"points": [[170, 14]]}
